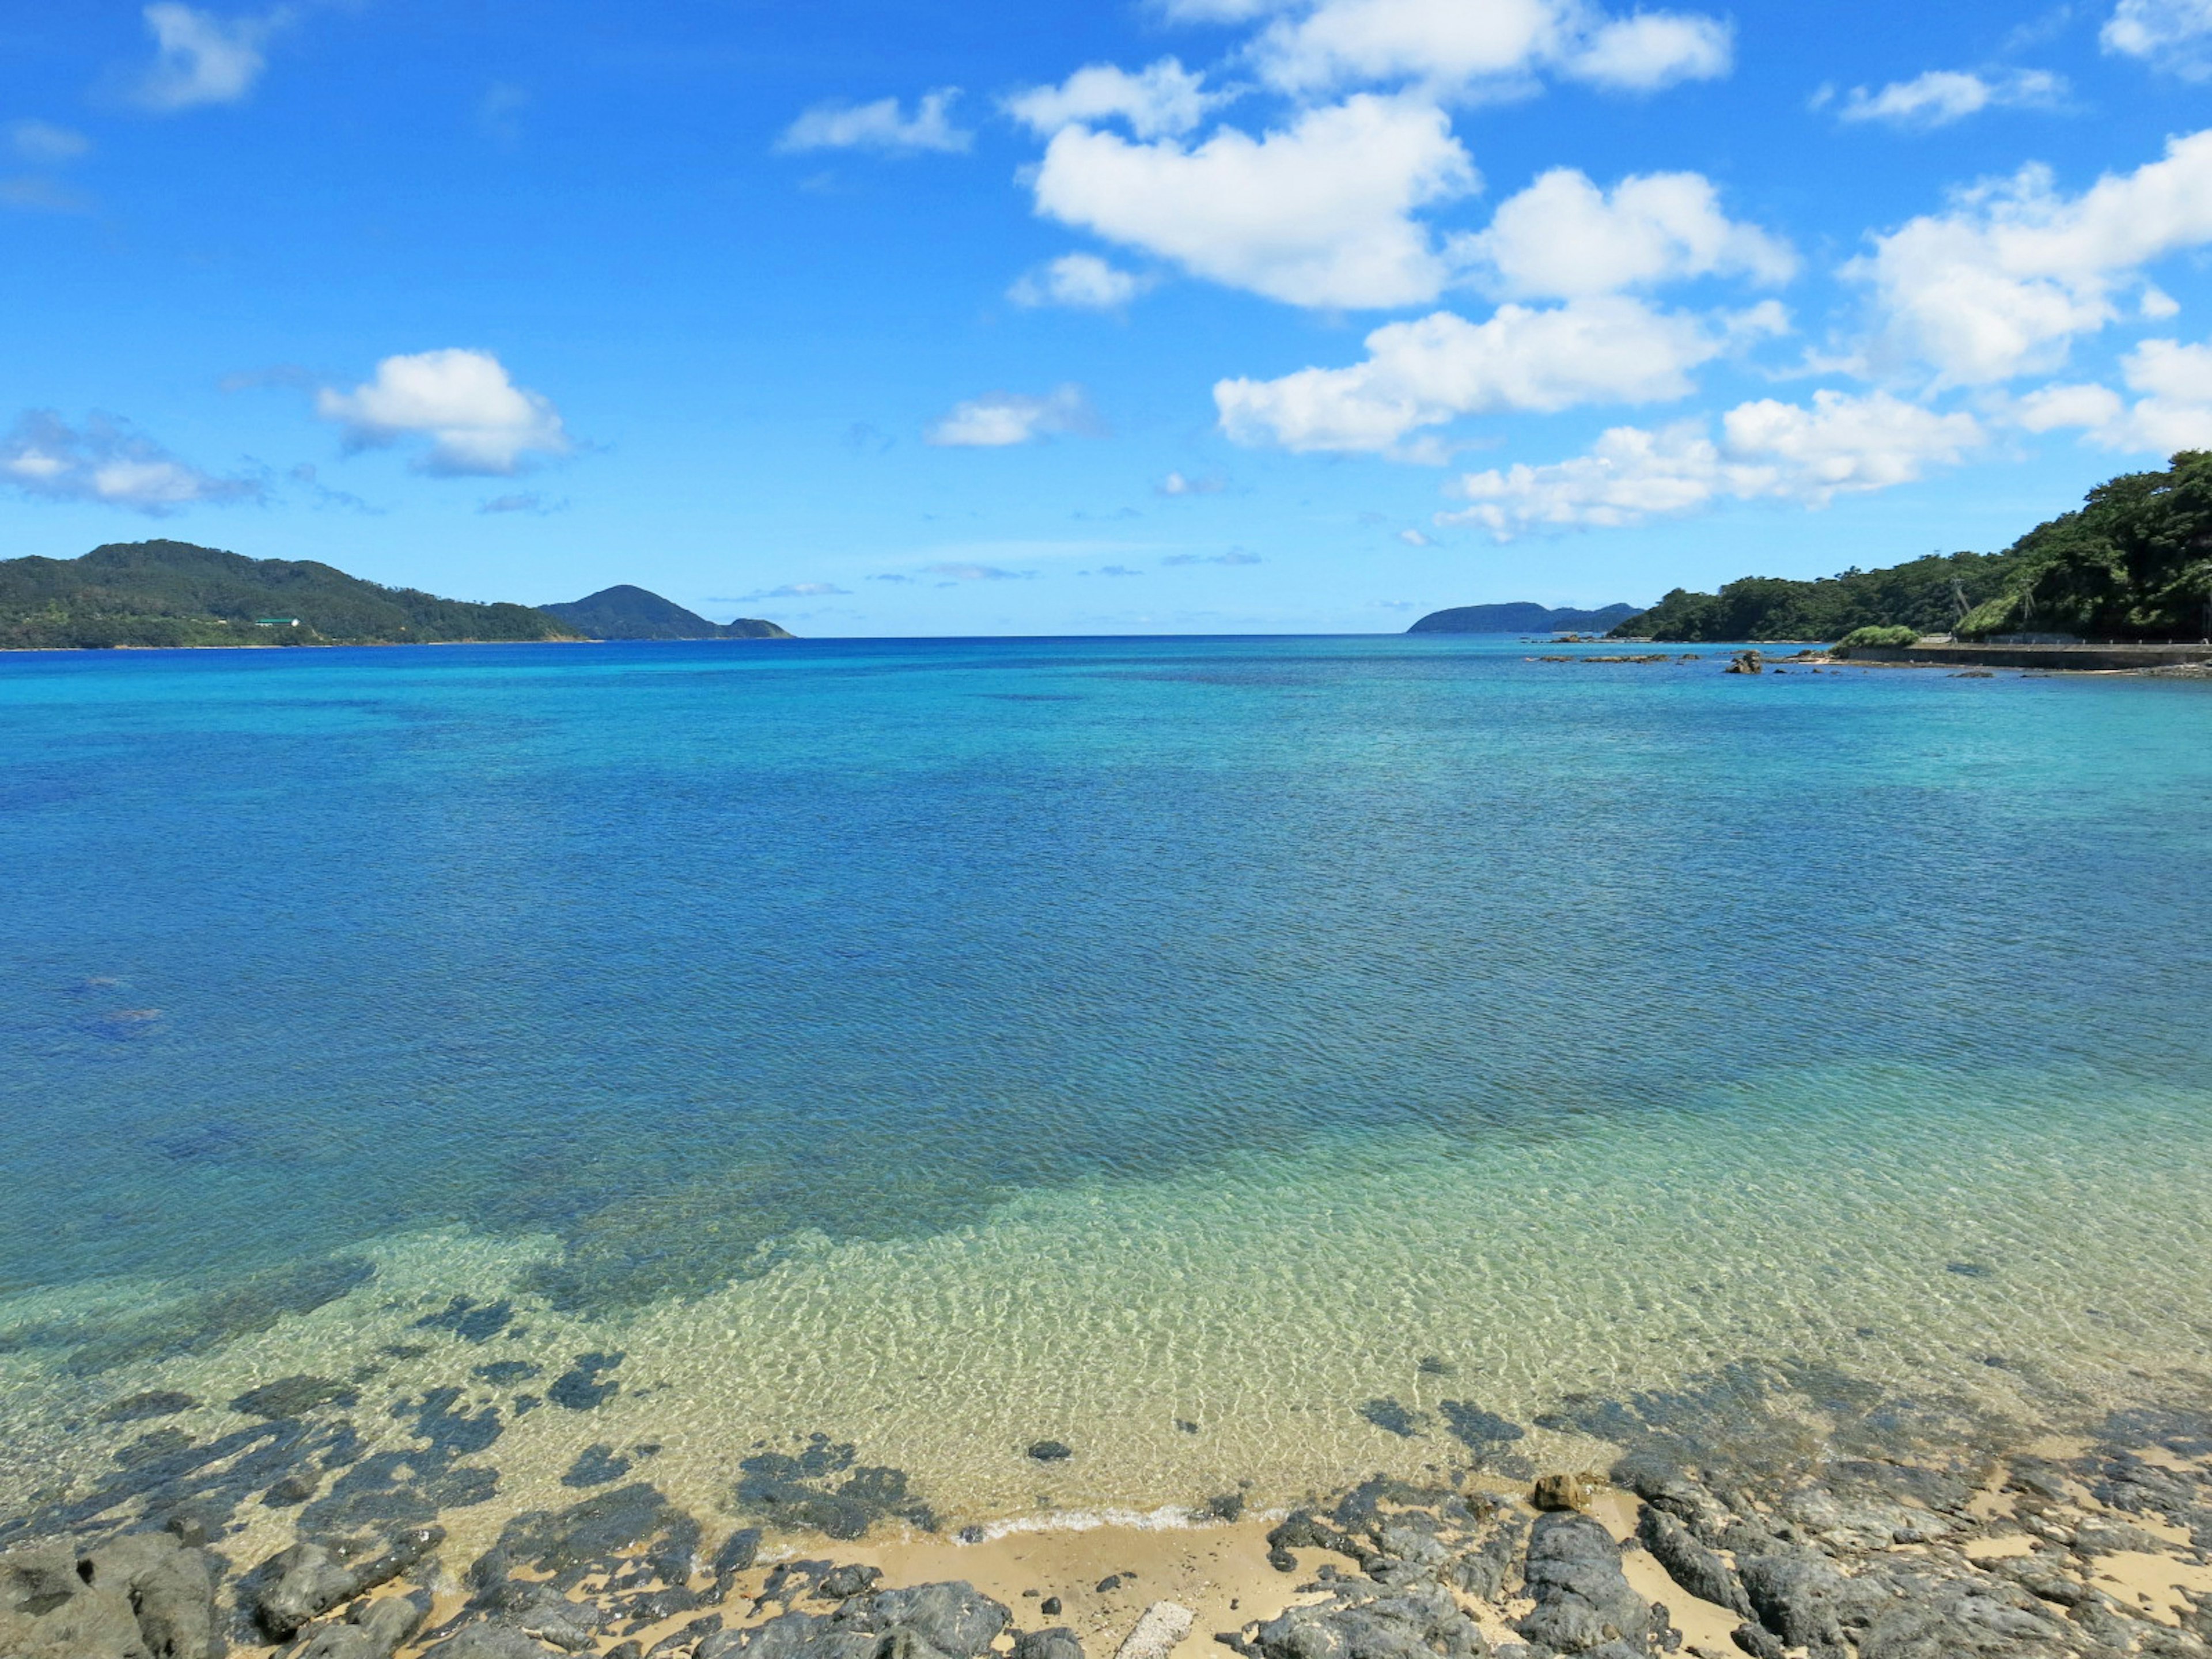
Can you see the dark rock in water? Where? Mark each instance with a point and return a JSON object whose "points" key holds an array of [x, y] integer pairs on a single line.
{"points": [[841, 1581], [1226, 1506], [1051, 1451], [505, 1373], [207, 1320], [469, 1320], [288, 1396], [156, 1402], [1481, 1430], [579, 1389], [402, 1488], [292, 1489], [1431, 1366], [1058, 1643], [452, 1433], [798, 1491], [307, 1580], [1689, 1563], [740, 1551], [596, 1465], [1414, 1624], [567, 1544], [1582, 1598], [1391, 1418], [162, 1443]]}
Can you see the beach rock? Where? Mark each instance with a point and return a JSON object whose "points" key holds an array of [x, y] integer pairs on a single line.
{"points": [[1482, 1572], [1980, 1616], [1559, 1492], [308, 1579], [840, 1581], [1797, 1595], [171, 1589], [683, 1641], [1745, 662], [372, 1630], [955, 1618], [738, 1552], [1058, 1643], [48, 1611], [1421, 1624], [489, 1641], [1157, 1632], [542, 1613], [1759, 1642], [1689, 1563], [1582, 1598]]}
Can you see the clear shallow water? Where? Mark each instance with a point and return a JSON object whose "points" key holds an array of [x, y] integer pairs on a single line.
{"points": [[945, 1045]]}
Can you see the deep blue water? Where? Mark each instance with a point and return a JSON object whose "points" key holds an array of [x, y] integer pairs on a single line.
{"points": [[673, 949]]}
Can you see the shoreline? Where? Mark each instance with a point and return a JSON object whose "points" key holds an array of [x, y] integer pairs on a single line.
{"points": [[1924, 1542]]}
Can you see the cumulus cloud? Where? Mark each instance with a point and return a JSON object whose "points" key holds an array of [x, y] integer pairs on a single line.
{"points": [[1942, 96], [1449, 47], [477, 419], [1164, 99], [1081, 282], [1563, 237], [1319, 213], [2173, 412], [1843, 444], [201, 58], [2175, 35], [1176, 483], [42, 140], [1653, 50], [880, 126], [107, 463], [998, 420], [1609, 350], [1999, 283]]}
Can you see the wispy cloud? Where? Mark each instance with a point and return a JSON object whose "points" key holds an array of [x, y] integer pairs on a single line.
{"points": [[525, 502], [201, 58], [107, 462], [42, 140], [1176, 483], [999, 420], [1234, 555], [1941, 97], [881, 125], [788, 591]]}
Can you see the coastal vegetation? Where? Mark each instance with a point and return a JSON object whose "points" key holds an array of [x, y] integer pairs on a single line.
{"points": [[174, 594], [1519, 618], [2133, 562]]}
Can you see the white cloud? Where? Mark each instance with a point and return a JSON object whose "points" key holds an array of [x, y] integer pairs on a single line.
{"points": [[880, 126], [998, 420], [1942, 96], [1768, 450], [477, 420], [1415, 538], [1452, 47], [1562, 237], [1423, 373], [1999, 283], [2175, 35], [1163, 100], [2173, 412], [106, 462], [1653, 50], [42, 140], [201, 58], [1083, 281], [1316, 213], [1176, 484]]}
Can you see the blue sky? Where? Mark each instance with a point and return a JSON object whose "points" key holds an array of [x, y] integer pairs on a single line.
{"points": [[894, 317]]}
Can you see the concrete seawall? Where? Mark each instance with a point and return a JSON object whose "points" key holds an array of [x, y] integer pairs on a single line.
{"points": [[2075, 657]]}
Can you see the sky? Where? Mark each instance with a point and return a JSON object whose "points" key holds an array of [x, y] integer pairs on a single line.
{"points": [[905, 318]]}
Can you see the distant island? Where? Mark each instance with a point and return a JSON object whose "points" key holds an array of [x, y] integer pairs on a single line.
{"points": [[624, 612], [2134, 562], [166, 593], [1521, 618]]}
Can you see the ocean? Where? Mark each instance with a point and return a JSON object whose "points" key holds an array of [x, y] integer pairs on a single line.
{"points": [[1247, 1063]]}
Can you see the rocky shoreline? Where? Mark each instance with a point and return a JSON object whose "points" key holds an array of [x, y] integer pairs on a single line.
{"points": [[1938, 1544]]}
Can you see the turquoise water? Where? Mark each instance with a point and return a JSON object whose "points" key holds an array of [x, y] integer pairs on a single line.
{"points": [[943, 1044]]}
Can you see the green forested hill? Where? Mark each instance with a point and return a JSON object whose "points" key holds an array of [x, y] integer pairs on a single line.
{"points": [[172, 593], [2134, 562], [624, 612]]}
